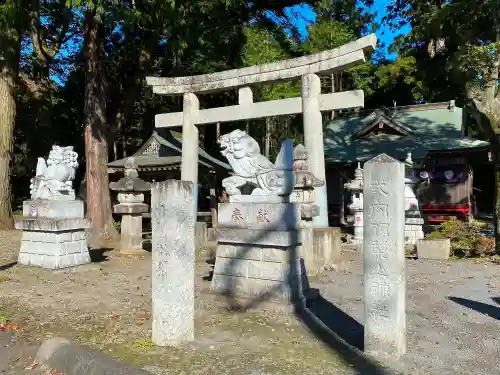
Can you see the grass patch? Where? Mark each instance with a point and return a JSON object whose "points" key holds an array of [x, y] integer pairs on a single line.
{"points": [[144, 344], [4, 278]]}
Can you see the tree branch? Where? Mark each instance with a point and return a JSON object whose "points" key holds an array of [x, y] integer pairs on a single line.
{"points": [[36, 33], [36, 88]]}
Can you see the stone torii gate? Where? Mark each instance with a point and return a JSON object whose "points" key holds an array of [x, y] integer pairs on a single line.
{"points": [[311, 103]]}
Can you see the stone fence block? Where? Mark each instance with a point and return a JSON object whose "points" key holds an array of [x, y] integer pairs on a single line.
{"points": [[321, 249], [200, 234], [434, 249]]}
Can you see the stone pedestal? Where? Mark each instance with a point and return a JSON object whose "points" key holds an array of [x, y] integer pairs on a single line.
{"points": [[413, 229], [131, 226], [131, 197], [258, 251], [358, 225], [53, 234]]}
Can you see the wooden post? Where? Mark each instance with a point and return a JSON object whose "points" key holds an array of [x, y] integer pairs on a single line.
{"points": [[213, 207]]}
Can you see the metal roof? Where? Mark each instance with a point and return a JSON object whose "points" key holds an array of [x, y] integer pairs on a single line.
{"points": [[427, 128], [163, 150]]}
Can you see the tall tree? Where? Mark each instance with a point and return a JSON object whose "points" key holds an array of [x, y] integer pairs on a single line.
{"points": [[460, 41], [95, 127], [10, 44]]}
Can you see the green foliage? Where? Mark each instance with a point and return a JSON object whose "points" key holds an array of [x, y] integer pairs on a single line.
{"points": [[327, 34], [144, 344], [465, 238], [4, 318], [118, 225]]}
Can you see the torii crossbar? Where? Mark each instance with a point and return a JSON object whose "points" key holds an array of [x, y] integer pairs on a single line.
{"points": [[310, 103]]}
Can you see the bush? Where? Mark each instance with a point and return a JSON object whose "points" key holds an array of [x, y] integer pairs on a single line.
{"points": [[465, 238], [117, 224], [486, 246]]}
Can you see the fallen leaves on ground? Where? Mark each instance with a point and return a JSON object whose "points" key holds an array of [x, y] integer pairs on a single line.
{"points": [[32, 365], [9, 327]]}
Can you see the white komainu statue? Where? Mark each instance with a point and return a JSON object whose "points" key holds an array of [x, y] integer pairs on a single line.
{"points": [[54, 179], [251, 168]]}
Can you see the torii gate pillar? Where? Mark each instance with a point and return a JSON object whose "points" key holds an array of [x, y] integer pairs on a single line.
{"points": [[313, 139]]}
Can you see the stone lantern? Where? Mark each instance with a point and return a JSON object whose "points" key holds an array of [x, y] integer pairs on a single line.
{"points": [[305, 182], [355, 186], [131, 206], [413, 216]]}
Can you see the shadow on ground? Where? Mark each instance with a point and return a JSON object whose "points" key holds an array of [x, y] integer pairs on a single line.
{"points": [[6, 266], [98, 255], [480, 307], [341, 333], [147, 245]]}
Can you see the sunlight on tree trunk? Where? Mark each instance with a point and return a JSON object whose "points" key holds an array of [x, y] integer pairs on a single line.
{"points": [[10, 44], [267, 142], [7, 118], [96, 148]]}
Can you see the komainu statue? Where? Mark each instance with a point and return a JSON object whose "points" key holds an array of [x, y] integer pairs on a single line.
{"points": [[54, 178], [252, 169]]}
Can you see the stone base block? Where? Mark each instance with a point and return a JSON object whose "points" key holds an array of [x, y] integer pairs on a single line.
{"points": [[258, 288], [131, 233], [260, 269], [413, 232], [54, 209], [54, 249], [434, 249]]}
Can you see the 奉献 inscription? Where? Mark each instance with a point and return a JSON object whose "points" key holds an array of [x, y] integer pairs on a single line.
{"points": [[236, 215], [384, 257], [173, 257], [262, 216]]}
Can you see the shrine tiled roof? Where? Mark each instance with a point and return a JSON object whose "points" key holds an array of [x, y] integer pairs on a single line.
{"points": [[418, 129], [163, 150]]}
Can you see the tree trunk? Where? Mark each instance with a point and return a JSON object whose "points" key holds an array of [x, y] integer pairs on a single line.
{"points": [[497, 200], [96, 147], [332, 114], [10, 44], [267, 142], [7, 118]]}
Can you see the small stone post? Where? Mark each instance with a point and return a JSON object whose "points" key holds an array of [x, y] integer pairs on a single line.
{"points": [[131, 190], [384, 257], [173, 257]]}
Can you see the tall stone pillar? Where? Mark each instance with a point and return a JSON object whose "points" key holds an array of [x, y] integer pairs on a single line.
{"points": [[384, 257], [313, 139], [189, 165]]}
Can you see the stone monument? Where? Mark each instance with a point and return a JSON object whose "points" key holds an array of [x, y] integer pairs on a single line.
{"points": [[131, 206], [355, 186], [258, 240], [384, 257], [173, 258], [53, 222]]}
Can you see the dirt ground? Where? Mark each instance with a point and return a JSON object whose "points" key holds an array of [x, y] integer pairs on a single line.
{"points": [[453, 318]]}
